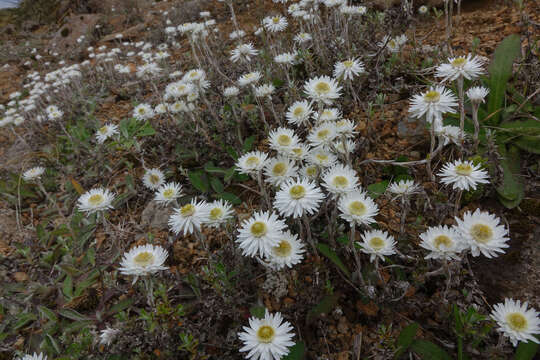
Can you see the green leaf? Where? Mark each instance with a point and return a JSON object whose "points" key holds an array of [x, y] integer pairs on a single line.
{"points": [[199, 181], [526, 351], [377, 189], [405, 339], [145, 130], [512, 190], [52, 343], [73, 315], [89, 281], [326, 305], [217, 185], [257, 311], [23, 319], [296, 352], [500, 72], [248, 143], [333, 256], [47, 313], [67, 287], [233, 199], [120, 306], [429, 351], [210, 168]]}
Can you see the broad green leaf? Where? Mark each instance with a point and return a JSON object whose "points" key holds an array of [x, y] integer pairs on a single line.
{"points": [[52, 343], [199, 181], [429, 351], [333, 256], [73, 315], [377, 189], [500, 72], [67, 287], [217, 185], [23, 319], [405, 339], [233, 199], [120, 306], [296, 352], [257, 311], [89, 281], [47, 313], [248, 143], [511, 191], [327, 304], [209, 167], [526, 351], [145, 130]]}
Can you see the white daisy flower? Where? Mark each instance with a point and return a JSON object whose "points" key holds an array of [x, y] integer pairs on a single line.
{"points": [[243, 52], [469, 67], [346, 147], [282, 139], [178, 89], [264, 90], [450, 133], [285, 58], [168, 193], [422, 10], [279, 169], [299, 113], [275, 23], [249, 78], [321, 157], [153, 178], [322, 89], [302, 38], [33, 173], [358, 208], [331, 114], [98, 199], [260, 233], [348, 69], [298, 152], [433, 103], [106, 132], [516, 321], [238, 34], [160, 109], [442, 242], [143, 260], [107, 335], [189, 217], [36, 356], [340, 179], [323, 135], [194, 75], [463, 175], [220, 211], [231, 91], [288, 252], [252, 162], [404, 188], [477, 94], [484, 233], [143, 112], [297, 197], [345, 127], [377, 243], [267, 339]]}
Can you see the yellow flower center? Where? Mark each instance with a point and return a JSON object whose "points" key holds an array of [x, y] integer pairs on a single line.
{"points": [[284, 140], [96, 199], [311, 171], [154, 179], [187, 210], [323, 134], [142, 111], [169, 193], [144, 259], [103, 130], [517, 321], [432, 96], [266, 334], [340, 181], [322, 88], [252, 161], [481, 233], [348, 63], [442, 240], [464, 169], [279, 169], [357, 208], [299, 111], [392, 44], [321, 157], [258, 229], [283, 249], [193, 74], [376, 243], [216, 213], [297, 151], [326, 113], [297, 192], [275, 20], [459, 62]]}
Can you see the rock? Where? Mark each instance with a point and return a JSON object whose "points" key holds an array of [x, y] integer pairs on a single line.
{"points": [[411, 127], [155, 216], [74, 27]]}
